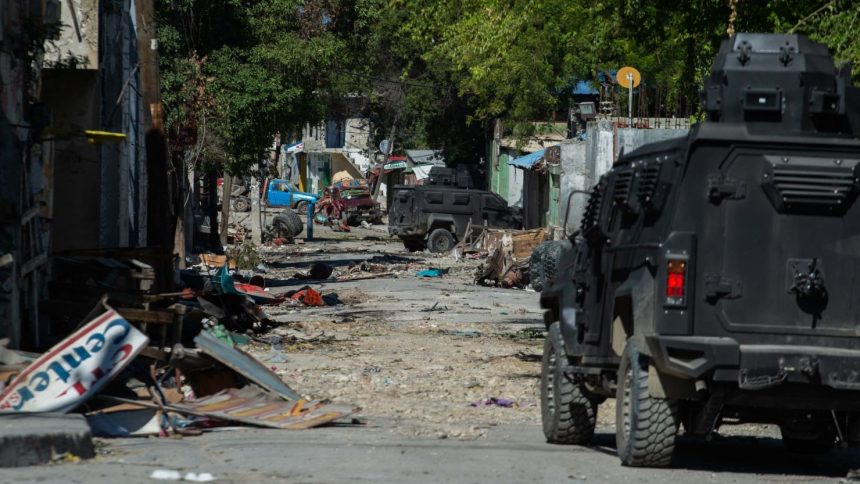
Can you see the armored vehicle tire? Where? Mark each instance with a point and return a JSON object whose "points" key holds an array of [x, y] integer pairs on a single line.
{"points": [[567, 413], [414, 245], [241, 204], [645, 426], [287, 224], [440, 240]]}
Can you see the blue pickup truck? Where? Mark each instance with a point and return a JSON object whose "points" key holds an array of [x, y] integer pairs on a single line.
{"points": [[280, 194]]}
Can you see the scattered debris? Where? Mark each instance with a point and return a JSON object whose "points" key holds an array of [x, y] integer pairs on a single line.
{"points": [[254, 407], [126, 420], [307, 296], [507, 264], [494, 402], [432, 272], [244, 364], [470, 333], [174, 475]]}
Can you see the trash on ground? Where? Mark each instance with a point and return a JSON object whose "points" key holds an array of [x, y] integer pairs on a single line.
{"points": [[254, 407], [307, 296], [466, 333], [244, 364], [432, 272], [494, 402], [507, 264], [174, 475], [126, 420]]}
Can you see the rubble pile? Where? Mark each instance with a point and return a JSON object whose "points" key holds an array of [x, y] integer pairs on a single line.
{"points": [[142, 362]]}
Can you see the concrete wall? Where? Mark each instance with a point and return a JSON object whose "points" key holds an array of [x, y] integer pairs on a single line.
{"points": [[516, 179], [78, 44], [107, 97], [574, 177], [605, 142], [77, 174], [342, 167]]}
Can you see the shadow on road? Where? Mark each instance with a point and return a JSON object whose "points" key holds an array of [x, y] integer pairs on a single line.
{"points": [[749, 455]]}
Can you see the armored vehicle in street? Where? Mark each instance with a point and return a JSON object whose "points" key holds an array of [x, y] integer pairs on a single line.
{"points": [[715, 279], [438, 214]]}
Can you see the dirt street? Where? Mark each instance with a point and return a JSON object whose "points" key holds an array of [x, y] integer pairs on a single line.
{"points": [[416, 350]]}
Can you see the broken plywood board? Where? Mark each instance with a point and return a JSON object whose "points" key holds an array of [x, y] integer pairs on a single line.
{"points": [[522, 242], [253, 407]]}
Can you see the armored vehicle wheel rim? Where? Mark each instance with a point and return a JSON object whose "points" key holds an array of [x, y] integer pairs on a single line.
{"points": [[550, 387], [440, 240]]}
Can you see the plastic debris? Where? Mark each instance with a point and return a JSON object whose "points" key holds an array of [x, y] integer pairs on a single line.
{"points": [[494, 402], [432, 272]]}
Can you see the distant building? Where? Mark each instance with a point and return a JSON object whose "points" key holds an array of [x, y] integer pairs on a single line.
{"points": [[541, 174], [335, 150]]}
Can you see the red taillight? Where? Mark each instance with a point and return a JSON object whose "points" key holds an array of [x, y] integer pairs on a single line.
{"points": [[676, 281]]}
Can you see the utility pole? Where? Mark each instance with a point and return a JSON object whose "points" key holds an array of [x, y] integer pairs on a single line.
{"points": [[226, 201], [386, 156]]}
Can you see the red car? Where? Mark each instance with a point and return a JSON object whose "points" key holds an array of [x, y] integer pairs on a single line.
{"points": [[355, 203]]}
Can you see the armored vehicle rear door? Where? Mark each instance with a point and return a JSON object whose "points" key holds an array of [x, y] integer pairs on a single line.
{"points": [[403, 207], [493, 210], [781, 253]]}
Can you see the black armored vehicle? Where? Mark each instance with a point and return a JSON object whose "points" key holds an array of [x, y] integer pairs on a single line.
{"points": [[715, 278], [437, 214]]}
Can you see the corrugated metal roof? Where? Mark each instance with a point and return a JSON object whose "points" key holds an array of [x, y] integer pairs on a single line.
{"points": [[528, 161]]}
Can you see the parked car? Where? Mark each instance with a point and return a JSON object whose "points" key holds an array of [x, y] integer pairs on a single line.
{"points": [[355, 203]]}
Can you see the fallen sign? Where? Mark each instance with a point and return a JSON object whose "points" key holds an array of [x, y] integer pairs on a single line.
{"points": [[77, 368]]}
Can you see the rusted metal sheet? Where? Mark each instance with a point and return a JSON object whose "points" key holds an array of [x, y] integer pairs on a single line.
{"points": [[77, 368], [253, 407], [244, 364]]}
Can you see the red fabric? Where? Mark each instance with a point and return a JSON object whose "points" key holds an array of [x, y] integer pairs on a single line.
{"points": [[309, 297]]}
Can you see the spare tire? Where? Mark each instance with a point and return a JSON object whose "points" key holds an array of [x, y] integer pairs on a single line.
{"points": [[241, 204], [287, 224], [545, 261]]}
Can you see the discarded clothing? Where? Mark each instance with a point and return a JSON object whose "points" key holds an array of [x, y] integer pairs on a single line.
{"points": [[494, 402], [308, 297]]}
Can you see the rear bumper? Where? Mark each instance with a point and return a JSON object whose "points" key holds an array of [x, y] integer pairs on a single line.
{"points": [[405, 232], [364, 214], [755, 367]]}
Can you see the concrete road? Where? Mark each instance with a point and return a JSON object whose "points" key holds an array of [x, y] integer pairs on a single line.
{"points": [[371, 453]]}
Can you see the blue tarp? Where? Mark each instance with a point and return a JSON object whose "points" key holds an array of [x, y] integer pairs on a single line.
{"points": [[527, 161], [584, 88]]}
